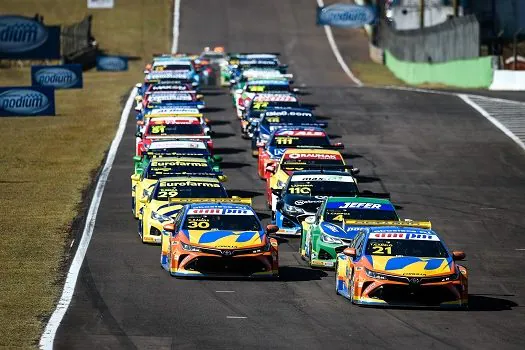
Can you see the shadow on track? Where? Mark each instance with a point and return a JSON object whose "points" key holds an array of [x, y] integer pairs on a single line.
{"points": [[244, 193], [366, 179], [298, 273], [228, 150], [219, 122], [233, 165], [479, 302], [213, 109], [221, 135]]}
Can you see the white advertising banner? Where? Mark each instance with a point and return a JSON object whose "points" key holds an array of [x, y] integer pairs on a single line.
{"points": [[100, 4]]}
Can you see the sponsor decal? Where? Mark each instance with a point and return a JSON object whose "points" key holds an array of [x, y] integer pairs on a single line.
{"points": [[26, 38], [303, 202], [286, 113], [314, 178], [66, 76], [345, 15], [188, 184], [112, 63], [274, 98], [404, 235], [215, 211], [175, 120], [27, 101], [304, 133], [176, 144], [307, 156]]}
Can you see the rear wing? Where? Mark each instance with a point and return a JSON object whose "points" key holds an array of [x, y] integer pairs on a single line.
{"points": [[237, 200], [320, 167], [417, 224], [153, 154], [174, 114]]}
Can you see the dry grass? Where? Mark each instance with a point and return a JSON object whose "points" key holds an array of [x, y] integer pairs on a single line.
{"points": [[48, 162], [374, 74]]}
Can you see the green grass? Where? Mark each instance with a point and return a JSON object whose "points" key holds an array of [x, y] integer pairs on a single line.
{"points": [[48, 162]]}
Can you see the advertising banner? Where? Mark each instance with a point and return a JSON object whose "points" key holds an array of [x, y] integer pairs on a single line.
{"points": [[67, 76], [100, 4], [112, 63], [26, 38], [27, 101], [345, 15]]}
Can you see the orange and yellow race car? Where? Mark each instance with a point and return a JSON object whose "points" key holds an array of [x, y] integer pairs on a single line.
{"points": [[401, 266], [219, 240], [294, 159]]}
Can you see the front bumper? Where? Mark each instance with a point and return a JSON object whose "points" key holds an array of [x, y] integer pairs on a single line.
{"points": [[324, 254]]}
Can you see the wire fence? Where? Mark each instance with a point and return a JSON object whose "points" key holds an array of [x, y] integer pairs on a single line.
{"points": [[77, 40], [456, 39]]}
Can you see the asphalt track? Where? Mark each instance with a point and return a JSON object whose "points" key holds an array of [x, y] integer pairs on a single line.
{"points": [[437, 157]]}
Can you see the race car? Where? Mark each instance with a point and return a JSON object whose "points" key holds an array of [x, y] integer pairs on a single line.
{"points": [[166, 128], [219, 240], [303, 194], [234, 63], [159, 99], [261, 102], [176, 148], [171, 111], [164, 167], [208, 62], [290, 137], [403, 267], [242, 96], [183, 67], [271, 119], [301, 159], [167, 197], [332, 228]]}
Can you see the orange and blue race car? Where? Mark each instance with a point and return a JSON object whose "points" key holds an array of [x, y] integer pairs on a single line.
{"points": [[219, 240], [401, 266]]}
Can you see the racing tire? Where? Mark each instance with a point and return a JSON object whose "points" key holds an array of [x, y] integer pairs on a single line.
{"points": [[336, 279], [310, 256], [273, 216], [133, 206]]}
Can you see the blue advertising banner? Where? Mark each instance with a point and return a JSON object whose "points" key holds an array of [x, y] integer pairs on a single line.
{"points": [[27, 101], [345, 15], [67, 76], [112, 63], [26, 38]]}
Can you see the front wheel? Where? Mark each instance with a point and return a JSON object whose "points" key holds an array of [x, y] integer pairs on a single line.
{"points": [[336, 279], [352, 289]]}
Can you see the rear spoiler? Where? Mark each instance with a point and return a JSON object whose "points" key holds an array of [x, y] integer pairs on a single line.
{"points": [[299, 125], [174, 114], [417, 224], [171, 91], [153, 154], [237, 200], [316, 147], [352, 169]]}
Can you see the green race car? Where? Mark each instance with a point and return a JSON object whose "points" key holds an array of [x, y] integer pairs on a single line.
{"points": [[336, 223], [176, 148]]}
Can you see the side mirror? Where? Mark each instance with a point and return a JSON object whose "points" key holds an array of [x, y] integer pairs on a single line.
{"points": [[143, 200], [138, 134], [146, 71], [310, 219], [140, 122], [458, 255], [238, 91], [277, 191], [199, 96], [137, 158], [169, 227], [355, 171], [339, 145], [222, 178], [138, 98], [271, 229], [350, 252], [138, 85], [270, 169], [135, 177], [216, 158], [260, 144], [138, 108]]}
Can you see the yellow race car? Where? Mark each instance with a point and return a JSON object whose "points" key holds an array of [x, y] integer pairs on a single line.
{"points": [[141, 184], [169, 194], [294, 159]]}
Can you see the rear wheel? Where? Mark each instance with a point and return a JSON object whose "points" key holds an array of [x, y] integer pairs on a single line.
{"points": [[336, 278], [352, 289]]}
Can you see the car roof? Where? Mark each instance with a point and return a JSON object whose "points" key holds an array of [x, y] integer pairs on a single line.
{"points": [[311, 150], [321, 172], [220, 205], [403, 230], [184, 159]]}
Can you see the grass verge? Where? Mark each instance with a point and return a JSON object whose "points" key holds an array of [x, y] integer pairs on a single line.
{"points": [[49, 161]]}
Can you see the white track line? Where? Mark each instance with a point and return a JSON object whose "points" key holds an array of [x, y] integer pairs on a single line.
{"points": [[493, 120], [176, 24], [46, 341], [337, 54]]}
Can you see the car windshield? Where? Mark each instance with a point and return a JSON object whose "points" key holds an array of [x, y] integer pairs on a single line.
{"points": [[337, 216], [303, 164], [406, 247], [158, 169], [322, 188], [294, 141], [287, 119], [188, 189], [186, 67], [178, 151], [175, 129], [222, 222], [266, 88]]}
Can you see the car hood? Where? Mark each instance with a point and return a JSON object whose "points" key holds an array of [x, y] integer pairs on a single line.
{"points": [[410, 266], [338, 231], [224, 239], [307, 203]]}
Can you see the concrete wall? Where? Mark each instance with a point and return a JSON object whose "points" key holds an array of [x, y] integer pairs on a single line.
{"points": [[471, 73]]}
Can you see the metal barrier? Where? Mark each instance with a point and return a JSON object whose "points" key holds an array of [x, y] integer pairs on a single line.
{"points": [[455, 39]]}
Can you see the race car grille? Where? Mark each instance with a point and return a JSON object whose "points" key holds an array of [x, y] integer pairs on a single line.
{"points": [[154, 232], [229, 252], [340, 249], [346, 241], [408, 294], [227, 266], [288, 223], [324, 255]]}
